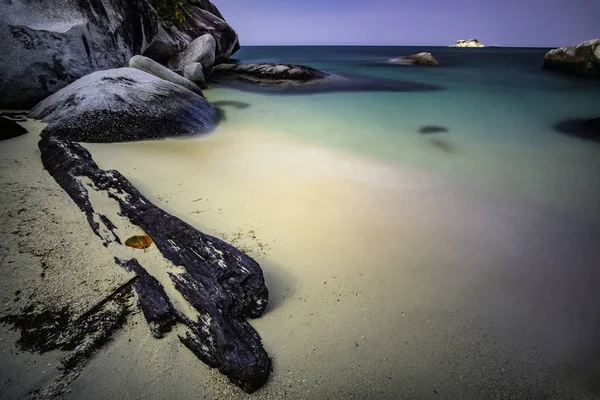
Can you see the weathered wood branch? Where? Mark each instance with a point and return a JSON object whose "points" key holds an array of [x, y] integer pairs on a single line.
{"points": [[154, 302], [222, 283]]}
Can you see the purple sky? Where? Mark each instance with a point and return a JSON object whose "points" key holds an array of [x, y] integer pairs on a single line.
{"points": [[543, 23]]}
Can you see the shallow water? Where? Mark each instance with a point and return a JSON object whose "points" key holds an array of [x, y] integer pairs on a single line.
{"points": [[498, 106]]}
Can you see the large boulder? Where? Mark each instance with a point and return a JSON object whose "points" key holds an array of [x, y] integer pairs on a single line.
{"points": [[47, 44], [204, 18], [468, 43], [195, 73], [201, 50], [583, 59], [152, 67], [124, 104]]}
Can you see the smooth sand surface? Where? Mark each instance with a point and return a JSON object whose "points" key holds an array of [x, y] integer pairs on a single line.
{"points": [[385, 282]]}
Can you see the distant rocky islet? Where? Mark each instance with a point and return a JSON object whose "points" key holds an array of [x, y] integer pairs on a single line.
{"points": [[468, 43]]}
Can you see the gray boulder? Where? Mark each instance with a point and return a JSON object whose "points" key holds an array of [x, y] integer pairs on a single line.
{"points": [[204, 18], [152, 67], [419, 58], [200, 50], [124, 104], [583, 59], [276, 74], [195, 73], [47, 44]]}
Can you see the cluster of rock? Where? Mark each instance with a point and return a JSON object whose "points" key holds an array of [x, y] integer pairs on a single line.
{"points": [[582, 59], [468, 43], [52, 43]]}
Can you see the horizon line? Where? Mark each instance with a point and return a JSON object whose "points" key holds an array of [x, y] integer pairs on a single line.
{"points": [[392, 45]]}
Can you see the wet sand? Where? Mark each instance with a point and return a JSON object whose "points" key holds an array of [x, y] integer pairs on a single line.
{"points": [[385, 281]]}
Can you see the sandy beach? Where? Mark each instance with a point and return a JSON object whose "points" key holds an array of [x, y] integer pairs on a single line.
{"points": [[384, 281]]}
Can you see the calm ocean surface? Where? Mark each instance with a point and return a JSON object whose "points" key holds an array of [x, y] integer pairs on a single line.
{"points": [[497, 105]]}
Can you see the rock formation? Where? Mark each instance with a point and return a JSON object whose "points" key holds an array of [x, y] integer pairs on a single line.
{"points": [[124, 104], [419, 58], [195, 73], [298, 79], [201, 50], [583, 59], [47, 44], [468, 43], [152, 67], [204, 18]]}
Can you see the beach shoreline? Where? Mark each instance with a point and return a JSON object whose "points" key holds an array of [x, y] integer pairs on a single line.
{"points": [[385, 281]]}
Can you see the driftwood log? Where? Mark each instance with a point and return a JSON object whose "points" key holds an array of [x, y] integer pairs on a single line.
{"points": [[153, 300], [222, 283]]}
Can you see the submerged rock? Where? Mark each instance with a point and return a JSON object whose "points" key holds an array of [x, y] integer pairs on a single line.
{"points": [[204, 18], [419, 58], [47, 44], [432, 129], [586, 129], [124, 104], [152, 67], [287, 78], [10, 129], [468, 43], [583, 59], [201, 50]]}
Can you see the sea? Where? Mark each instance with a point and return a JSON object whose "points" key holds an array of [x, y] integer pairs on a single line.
{"points": [[496, 120]]}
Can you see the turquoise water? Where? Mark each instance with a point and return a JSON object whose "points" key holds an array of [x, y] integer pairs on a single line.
{"points": [[498, 106]]}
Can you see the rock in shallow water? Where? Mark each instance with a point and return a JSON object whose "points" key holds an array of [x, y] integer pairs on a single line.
{"points": [[583, 59], [432, 129], [419, 58], [52, 43], [586, 129], [152, 67], [298, 79], [124, 104]]}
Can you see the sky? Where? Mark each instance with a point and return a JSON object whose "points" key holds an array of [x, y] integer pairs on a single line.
{"points": [[521, 23]]}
